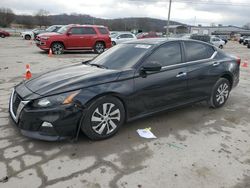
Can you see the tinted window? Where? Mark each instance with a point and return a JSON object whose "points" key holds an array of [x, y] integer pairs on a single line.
{"points": [[76, 31], [123, 36], [129, 36], [89, 31], [103, 30], [168, 54], [122, 56], [197, 51]]}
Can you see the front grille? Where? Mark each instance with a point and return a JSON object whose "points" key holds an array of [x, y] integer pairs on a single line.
{"points": [[15, 102]]}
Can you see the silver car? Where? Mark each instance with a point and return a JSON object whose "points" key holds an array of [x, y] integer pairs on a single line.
{"points": [[122, 37]]}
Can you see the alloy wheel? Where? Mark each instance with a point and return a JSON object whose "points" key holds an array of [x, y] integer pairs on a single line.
{"points": [[222, 93], [57, 49], [105, 118], [99, 47]]}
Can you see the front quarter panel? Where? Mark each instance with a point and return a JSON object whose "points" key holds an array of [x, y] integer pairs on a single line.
{"points": [[122, 88]]}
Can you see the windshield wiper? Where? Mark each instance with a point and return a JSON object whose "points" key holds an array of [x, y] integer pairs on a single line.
{"points": [[99, 66]]}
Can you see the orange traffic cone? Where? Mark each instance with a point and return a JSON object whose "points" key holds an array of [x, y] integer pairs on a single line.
{"points": [[50, 53], [244, 64], [28, 74]]}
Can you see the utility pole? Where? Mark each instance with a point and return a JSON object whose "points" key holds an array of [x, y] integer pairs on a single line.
{"points": [[169, 12]]}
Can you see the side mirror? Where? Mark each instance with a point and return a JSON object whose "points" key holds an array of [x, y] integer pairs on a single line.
{"points": [[86, 62], [153, 66], [69, 33], [118, 37]]}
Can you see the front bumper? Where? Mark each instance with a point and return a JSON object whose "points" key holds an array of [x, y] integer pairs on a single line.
{"points": [[48, 124], [42, 44]]}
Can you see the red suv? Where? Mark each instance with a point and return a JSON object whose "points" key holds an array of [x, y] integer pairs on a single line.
{"points": [[75, 37]]}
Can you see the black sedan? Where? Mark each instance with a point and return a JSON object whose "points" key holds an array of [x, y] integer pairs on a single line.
{"points": [[129, 81]]}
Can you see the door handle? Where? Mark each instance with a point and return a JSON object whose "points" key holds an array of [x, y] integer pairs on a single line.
{"points": [[181, 74], [216, 64]]}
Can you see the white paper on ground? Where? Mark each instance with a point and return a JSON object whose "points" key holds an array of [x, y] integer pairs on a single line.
{"points": [[145, 133]]}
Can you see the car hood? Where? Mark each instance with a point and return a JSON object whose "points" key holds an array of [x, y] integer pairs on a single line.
{"points": [[69, 79], [49, 34], [27, 32]]}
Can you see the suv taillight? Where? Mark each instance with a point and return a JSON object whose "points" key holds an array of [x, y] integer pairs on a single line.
{"points": [[238, 61]]}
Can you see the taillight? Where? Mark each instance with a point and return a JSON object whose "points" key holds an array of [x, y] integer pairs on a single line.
{"points": [[238, 61]]}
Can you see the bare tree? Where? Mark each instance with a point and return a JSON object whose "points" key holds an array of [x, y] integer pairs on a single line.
{"points": [[42, 17], [6, 17]]}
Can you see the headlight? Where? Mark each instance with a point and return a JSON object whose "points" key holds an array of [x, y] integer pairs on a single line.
{"points": [[64, 98]]}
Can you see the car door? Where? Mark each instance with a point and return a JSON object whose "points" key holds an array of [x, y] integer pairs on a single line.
{"points": [[89, 37], [121, 38], [75, 38], [164, 88], [202, 68]]}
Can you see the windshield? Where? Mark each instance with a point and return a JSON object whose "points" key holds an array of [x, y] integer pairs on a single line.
{"points": [[114, 35], [50, 29], [121, 56], [63, 29]]}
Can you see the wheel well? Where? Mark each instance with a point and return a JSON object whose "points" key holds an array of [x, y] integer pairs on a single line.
{"points": [[101, 42], [229, 78], [56, 42], [116, 95]]}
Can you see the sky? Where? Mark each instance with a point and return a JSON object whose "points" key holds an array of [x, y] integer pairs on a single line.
{"points": [[205, 12]]}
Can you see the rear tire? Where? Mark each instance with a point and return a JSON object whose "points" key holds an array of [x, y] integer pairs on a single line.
{"points": [[248, 46], [220, 93], [2, 36], [113, 43], [103, 118], [99, 47], [57, 48], [27, 37], [221, 46]]}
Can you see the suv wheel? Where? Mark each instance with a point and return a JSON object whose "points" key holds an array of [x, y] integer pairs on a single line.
{"points": [[248, 46], [99, 47], [113, 43], [103, 119], [27, 37], [57, 48], [2, 35], [221, 46], [220, 93]]}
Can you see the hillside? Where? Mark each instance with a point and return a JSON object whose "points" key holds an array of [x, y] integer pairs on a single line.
{"points": [[120, 24]]}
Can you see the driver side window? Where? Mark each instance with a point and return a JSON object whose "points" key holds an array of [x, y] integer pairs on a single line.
{"points": [[76, 31], [168, 54]]}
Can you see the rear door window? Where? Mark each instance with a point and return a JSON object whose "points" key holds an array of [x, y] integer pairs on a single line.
{"points": [[89, 31], [197, 51]]}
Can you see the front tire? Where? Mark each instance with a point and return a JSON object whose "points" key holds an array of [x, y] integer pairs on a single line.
{"points": [[57, 48], [220, 93], [27, 37], [99, 47], [103, 119], [221, 46]]}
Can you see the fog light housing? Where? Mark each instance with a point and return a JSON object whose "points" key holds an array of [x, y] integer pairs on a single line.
{"points": [[47, 124]]}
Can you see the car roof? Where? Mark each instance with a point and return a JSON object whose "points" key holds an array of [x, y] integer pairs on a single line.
{"points": [[160, 41], [78, 25]]}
